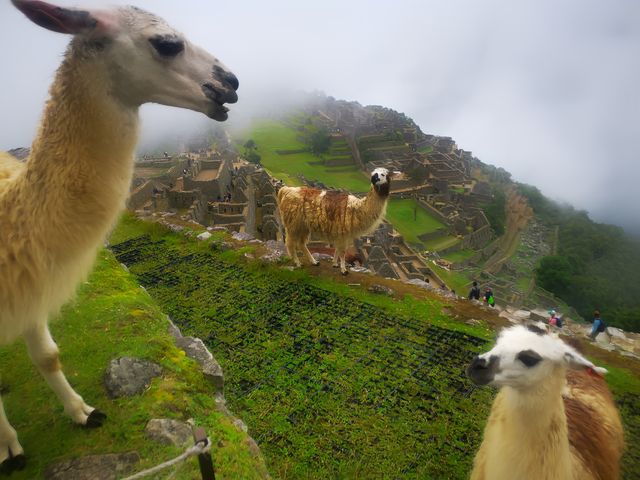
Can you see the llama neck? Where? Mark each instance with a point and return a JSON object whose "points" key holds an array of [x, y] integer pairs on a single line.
{"points": [[372, 210], [532, 432], [78, 176]]}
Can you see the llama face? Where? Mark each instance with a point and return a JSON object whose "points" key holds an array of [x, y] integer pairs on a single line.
{"points": [[152, 62], [380, 176], [144, 59], [523, 359]]}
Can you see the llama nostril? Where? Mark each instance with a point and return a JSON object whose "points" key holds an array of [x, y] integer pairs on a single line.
{"points": [[232, 80], [479, 363]]}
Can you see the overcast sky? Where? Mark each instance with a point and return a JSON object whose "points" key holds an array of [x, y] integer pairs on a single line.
{"points": [[547, 89]]}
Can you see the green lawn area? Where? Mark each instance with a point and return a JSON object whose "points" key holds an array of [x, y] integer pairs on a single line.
{"points": [[455, 280], [460, 255], [400, 212], [441, 243], [271, 135], [113, 317]]}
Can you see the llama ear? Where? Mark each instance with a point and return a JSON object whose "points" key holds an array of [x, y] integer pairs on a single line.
{"points": [[61, 20], [576, 361]]}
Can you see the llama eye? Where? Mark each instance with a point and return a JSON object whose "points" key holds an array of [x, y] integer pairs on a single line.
{"points": [[167, 46], [529, 358]]}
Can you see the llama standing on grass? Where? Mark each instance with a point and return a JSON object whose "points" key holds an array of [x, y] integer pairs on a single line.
{"points": [[56, 209], [546, 423], [335, 217]]}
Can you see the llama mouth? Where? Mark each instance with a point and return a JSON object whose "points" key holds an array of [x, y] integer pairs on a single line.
{"points": [[217, 111]]}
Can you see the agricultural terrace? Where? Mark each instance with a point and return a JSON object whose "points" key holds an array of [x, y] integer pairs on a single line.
{"points": [[333, 382], [272, 136]]}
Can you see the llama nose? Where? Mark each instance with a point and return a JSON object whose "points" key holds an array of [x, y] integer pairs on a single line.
{"points": [[481, 371], [478, 363], [232, 80], [218, 95]]}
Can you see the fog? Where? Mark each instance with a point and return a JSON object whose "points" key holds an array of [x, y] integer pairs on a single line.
{"points": [[547, 90]]}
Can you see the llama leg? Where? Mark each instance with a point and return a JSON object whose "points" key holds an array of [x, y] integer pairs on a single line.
{"points": [[44, 354], [307, 253], [336, 258], [11, 453], [341, 252], [291, 249], [343, 262]]}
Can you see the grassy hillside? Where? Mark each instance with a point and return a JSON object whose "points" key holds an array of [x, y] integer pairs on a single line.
{"points": [[271, 136], [332, 381], [113, 317]]}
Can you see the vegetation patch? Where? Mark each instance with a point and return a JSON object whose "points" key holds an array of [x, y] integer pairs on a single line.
{"points": [[332, 383], [113, 317], [409, 218]]}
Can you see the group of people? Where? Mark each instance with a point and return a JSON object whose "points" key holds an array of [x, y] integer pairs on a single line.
{"points": [[555, 320], [488, 298]]}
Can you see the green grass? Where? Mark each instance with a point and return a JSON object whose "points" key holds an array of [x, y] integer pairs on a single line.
{"points": [[400, 212], [333, 382], [460, 255], [441, 243], [454, 280], [270, 136], [113, 317], [425, 149]]}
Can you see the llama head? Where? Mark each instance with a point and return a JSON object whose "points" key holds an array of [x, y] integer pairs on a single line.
{"points": [[145, 60], [525, 357], [381, 180]]}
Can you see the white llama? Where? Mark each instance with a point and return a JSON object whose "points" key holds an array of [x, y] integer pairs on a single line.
{"points": [[335, 217], [56, 209], [553, 418]]}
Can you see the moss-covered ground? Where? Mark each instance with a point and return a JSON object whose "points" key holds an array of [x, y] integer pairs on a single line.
{"points": [[112, 317], [332, 381]]}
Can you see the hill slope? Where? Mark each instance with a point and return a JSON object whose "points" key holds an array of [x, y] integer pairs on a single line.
{"points": [[332, 381]]}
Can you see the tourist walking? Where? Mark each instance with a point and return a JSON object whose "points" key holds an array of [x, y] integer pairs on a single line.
{"points": [[488, 297], [474, 294], [598, 326]]}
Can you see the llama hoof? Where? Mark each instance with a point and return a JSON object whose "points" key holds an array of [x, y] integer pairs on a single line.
{"points": [[13, 464], [335, 266], [346, 272], [316, 264], [95, 419]]}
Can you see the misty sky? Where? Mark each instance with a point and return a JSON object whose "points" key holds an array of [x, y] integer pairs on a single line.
{"points": [[548, 90]]}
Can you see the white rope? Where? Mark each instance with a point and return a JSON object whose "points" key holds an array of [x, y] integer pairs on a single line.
{"points": [[197, 449]]}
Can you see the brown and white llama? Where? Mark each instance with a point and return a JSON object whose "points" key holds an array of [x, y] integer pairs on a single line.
{"points": [[335, 217], [56, 209], [553, 418]]}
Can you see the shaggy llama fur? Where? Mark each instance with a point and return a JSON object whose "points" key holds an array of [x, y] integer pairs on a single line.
{"points": [[335, 217]]}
